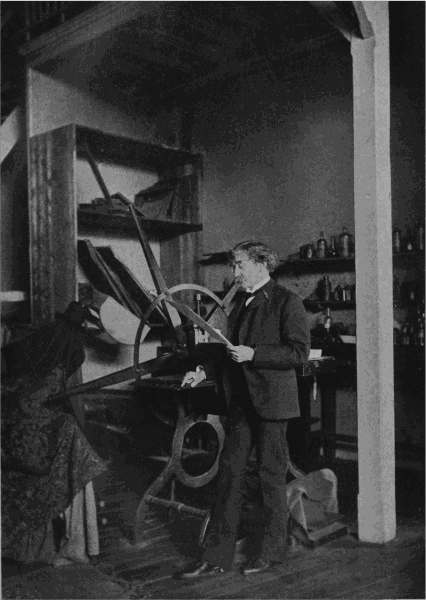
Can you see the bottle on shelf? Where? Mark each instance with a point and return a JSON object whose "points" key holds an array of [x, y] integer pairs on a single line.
{"points": [[408, 241], [421, 335], [396, 240], [338, 293], [322, 246], [325, 289], [344, 241], [412, 333], [327, 322], [332, 251], [420, 236], [405, 337], [347, 293], [419, 339]]}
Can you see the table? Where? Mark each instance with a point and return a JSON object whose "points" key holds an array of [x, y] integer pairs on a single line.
{"points": [[300, 438]]}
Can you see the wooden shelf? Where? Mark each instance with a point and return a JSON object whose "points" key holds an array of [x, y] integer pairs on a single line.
{"points": [[333, 304], [316, 265], [96, 220], [131, 152], [214, 258], [408, 259]]}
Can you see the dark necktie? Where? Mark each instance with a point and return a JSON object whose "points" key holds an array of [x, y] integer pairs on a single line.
{"points": [[247, 296]]}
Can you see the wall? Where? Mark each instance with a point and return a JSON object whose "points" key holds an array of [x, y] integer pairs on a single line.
{"points": [[279, 162], [278, 158], [407, 55]]}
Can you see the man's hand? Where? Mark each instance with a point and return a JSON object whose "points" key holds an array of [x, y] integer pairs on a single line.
{"points": [[241, 354], [193, 378]]}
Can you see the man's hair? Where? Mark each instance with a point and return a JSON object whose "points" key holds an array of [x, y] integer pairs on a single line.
{"points": [[257, 252]]}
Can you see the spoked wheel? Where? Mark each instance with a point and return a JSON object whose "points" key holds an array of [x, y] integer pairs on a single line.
{"points": [[143, 325]]}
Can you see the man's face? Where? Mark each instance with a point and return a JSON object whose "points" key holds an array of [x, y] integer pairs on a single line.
{"points": [[247, 272]]}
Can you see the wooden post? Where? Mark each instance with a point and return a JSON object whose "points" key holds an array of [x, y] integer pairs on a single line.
{"points": [[373, 231]]}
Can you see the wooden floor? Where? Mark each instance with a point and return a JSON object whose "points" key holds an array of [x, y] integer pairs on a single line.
{"points": [[343, 568]]}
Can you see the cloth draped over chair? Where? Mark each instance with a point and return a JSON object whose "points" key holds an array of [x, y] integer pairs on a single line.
{"points": [[312, 498], [47, 462]]}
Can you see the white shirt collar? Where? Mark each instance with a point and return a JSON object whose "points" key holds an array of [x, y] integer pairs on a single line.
{"points": [[258, 285]]}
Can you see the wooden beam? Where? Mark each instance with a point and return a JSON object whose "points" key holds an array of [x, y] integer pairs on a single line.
{"points": [[103, 18], [364, 23], [343, 18], [373, 264]]}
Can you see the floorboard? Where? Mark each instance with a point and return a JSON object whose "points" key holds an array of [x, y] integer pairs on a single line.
{"points": [[343, 568]]}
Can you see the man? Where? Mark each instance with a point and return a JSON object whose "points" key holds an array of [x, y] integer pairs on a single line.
{"points": [[270, 336]]}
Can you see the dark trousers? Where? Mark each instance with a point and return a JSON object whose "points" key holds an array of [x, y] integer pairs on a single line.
{"points": [[246, 429]]}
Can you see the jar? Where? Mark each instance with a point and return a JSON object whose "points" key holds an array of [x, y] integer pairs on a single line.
{"points": [[332, 253], [347, 293], [409, 242], [338, 293], [321, 246], [325, 289], [344, 240]]}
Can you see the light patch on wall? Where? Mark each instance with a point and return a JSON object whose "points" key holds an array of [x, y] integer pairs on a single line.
{"points": [[117, 178]]}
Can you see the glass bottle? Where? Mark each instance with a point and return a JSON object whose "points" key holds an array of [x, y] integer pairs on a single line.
{"points": [[344, 243], [396, 239], [405, 337], [420, 236], [409, 242], [325, 289], [332, 252], [348, 293], [322, 246], [327, 325], [338, 293], [419, 330], [421, 335]]}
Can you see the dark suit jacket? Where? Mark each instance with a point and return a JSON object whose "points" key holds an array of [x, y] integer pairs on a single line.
{"points": [[275, 325]]}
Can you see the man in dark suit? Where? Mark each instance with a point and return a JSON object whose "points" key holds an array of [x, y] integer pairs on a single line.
{"points": [[269, 334]]}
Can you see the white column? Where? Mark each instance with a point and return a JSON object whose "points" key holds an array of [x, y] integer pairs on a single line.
{"points": [[373, 239]]}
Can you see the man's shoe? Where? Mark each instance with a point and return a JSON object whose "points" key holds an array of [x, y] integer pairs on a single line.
{"points": [[254, 566], [199, 569]]}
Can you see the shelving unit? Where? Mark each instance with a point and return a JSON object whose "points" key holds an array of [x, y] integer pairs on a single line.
{"points": [[408, 259], [95, 220], [316, 265], [317, 305], [56, 219]]}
